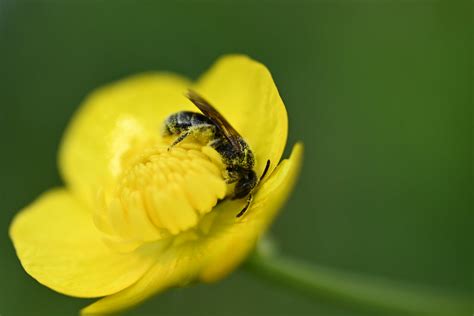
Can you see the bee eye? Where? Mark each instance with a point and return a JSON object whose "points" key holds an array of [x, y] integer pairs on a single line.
{"points": [[245, 184]]}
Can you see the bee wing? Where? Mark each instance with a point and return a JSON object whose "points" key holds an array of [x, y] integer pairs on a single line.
{"points": [[208, 110]]}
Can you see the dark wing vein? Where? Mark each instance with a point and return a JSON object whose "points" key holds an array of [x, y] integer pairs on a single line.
{"points": [[208, 110]]}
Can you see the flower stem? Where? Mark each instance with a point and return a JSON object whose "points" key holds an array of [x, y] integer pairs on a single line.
{"points": [[355, 290]]}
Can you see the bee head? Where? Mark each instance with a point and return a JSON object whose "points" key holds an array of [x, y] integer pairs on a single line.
{"points": [[167, 127], [247, 181]]}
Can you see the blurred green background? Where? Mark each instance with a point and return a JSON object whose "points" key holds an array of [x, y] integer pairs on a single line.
{"points": [[380, 93]]}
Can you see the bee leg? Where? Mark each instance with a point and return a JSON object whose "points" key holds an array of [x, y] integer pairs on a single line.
{"points": [[179, 139], [249, 201], [264, 171], [200, 130]]}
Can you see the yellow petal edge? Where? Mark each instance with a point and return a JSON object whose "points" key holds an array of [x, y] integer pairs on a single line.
{"points": [[58, 245], [231, 247], [243, 90]]}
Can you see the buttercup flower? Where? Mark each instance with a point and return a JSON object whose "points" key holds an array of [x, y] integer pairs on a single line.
{"points": [[136, 217]]}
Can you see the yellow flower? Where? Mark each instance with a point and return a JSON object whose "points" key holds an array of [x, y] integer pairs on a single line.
{"points": [[135, 218]]}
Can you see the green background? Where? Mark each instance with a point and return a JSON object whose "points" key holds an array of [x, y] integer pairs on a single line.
{"points": [[379, 92]]}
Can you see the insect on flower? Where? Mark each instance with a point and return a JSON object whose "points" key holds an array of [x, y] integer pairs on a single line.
{"points": [[220, 135], [140, 211]]}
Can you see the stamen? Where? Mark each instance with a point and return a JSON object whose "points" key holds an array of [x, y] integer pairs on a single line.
{"points": [[161, 194]]}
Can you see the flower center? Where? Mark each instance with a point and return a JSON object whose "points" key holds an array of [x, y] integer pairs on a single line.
{"points": [[160, 194]]}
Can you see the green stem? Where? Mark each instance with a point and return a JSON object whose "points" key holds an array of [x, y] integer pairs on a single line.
{"points": [[354, 289]]}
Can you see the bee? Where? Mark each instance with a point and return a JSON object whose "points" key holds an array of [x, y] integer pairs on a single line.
{"points": [[211, 126]]}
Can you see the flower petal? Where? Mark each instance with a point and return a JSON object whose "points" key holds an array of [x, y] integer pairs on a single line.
{"points": [[176, 267], [110, 121], [229, 247], [244, 93], [58, 245]]}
